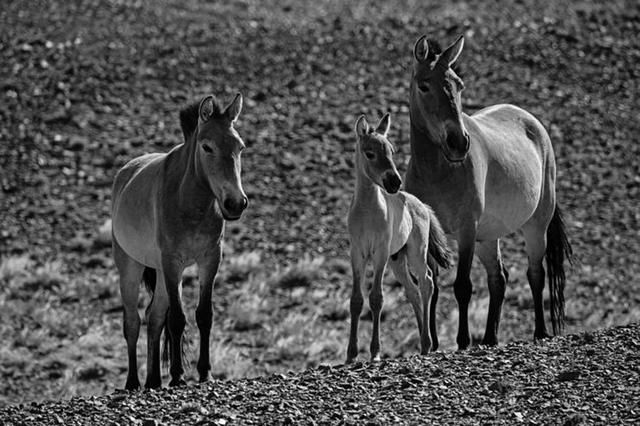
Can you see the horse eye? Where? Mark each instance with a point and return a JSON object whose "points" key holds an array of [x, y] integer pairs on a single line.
{"points": [[207, 149], [423, 87], [370, 155]]}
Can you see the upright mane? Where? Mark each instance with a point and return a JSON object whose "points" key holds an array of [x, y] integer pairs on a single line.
{"points": [[189, 117]]}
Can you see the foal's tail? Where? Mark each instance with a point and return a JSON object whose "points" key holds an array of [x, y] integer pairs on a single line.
{"points": [[438, 247], [558, 249]]}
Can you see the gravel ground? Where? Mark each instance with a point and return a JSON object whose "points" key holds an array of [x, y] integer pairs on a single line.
{"points": [[590, 378]]}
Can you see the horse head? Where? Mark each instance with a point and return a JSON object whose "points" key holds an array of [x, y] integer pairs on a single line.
{"points": [[218, 149], [435, 105]]}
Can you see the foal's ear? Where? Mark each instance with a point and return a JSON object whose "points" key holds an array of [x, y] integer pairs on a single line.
{"points": [[384, 125], [421, 49], [233, 110], [362, 127], [207, 106], [452, 52]]}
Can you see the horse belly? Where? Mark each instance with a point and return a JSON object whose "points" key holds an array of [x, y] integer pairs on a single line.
{"points": [[510, 200], [134, 219]]}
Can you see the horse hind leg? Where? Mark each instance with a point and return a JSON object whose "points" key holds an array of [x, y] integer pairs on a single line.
{"points": [[536, 243], [418, 261], [130, 273], [401, 272], [489, 254], [433, 328]]}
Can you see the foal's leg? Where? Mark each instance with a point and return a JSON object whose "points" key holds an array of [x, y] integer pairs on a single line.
{"points": [[433, 328], [376, 301], [176, 320], [207, 269], [489, 254], [417, 256], [130, 273], [536, 244], [156, 320], [400, 271], [358, 264], [462, 287]]}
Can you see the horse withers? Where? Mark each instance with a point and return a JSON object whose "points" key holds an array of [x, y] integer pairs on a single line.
{"points": [[486, 176], [389, 225], [168, 212]]}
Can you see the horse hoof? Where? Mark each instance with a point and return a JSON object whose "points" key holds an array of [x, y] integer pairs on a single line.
{"points": [[177, 383], [375, 358], [350, 360], [490, 342], [541, 336], [204, 378], [132, 386]]}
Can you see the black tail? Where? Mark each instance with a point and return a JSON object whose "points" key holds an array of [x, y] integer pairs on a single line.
{"points": [[438, 247], [558, 249]]}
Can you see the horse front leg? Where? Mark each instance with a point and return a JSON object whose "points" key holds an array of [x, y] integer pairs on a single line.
{"points": [[462, 286], [375, 302], [358, 264], [489, 254], [208, 268], [176, 320], [130, 273]]}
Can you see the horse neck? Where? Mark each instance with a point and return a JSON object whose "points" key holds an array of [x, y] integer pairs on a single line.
{"points": [[366, 191], [426, 155], [189, 182]]}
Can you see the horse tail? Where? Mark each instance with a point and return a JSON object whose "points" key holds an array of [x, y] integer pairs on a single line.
{"points": [[558, 249], [438, 247]]}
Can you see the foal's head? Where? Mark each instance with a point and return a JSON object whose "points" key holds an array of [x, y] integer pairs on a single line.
{"points": [[217, 154], [435, 102], [374, 153]]}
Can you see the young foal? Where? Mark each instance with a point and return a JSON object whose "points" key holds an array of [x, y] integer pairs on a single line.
{"points": [[168, 212], [384, 222], [486, 176]]}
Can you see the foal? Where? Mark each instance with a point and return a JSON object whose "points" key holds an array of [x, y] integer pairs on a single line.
{"points": [[384, 222], [168, 212]]}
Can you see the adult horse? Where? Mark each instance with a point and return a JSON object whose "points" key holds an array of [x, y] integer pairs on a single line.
{"points": [[486, 176], [169, 212]]}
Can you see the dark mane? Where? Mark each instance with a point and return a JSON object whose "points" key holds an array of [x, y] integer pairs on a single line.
{"points": [[189, 117], [435, 48]]}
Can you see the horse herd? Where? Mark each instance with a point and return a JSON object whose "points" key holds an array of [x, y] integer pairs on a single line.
{"points": [[476, 178]]}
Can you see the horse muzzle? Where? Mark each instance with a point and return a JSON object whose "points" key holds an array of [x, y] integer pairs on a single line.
{"points": [[232, 208], [391, 183], [456, 147]]}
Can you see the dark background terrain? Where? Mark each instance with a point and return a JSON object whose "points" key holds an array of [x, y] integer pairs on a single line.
{"points": [[86, 85]]}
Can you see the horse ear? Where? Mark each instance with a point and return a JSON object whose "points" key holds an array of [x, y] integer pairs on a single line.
{"points": [[362, 127], [421, 49], [451, 53], [384, 125], [206, 108], [233, 110]]}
